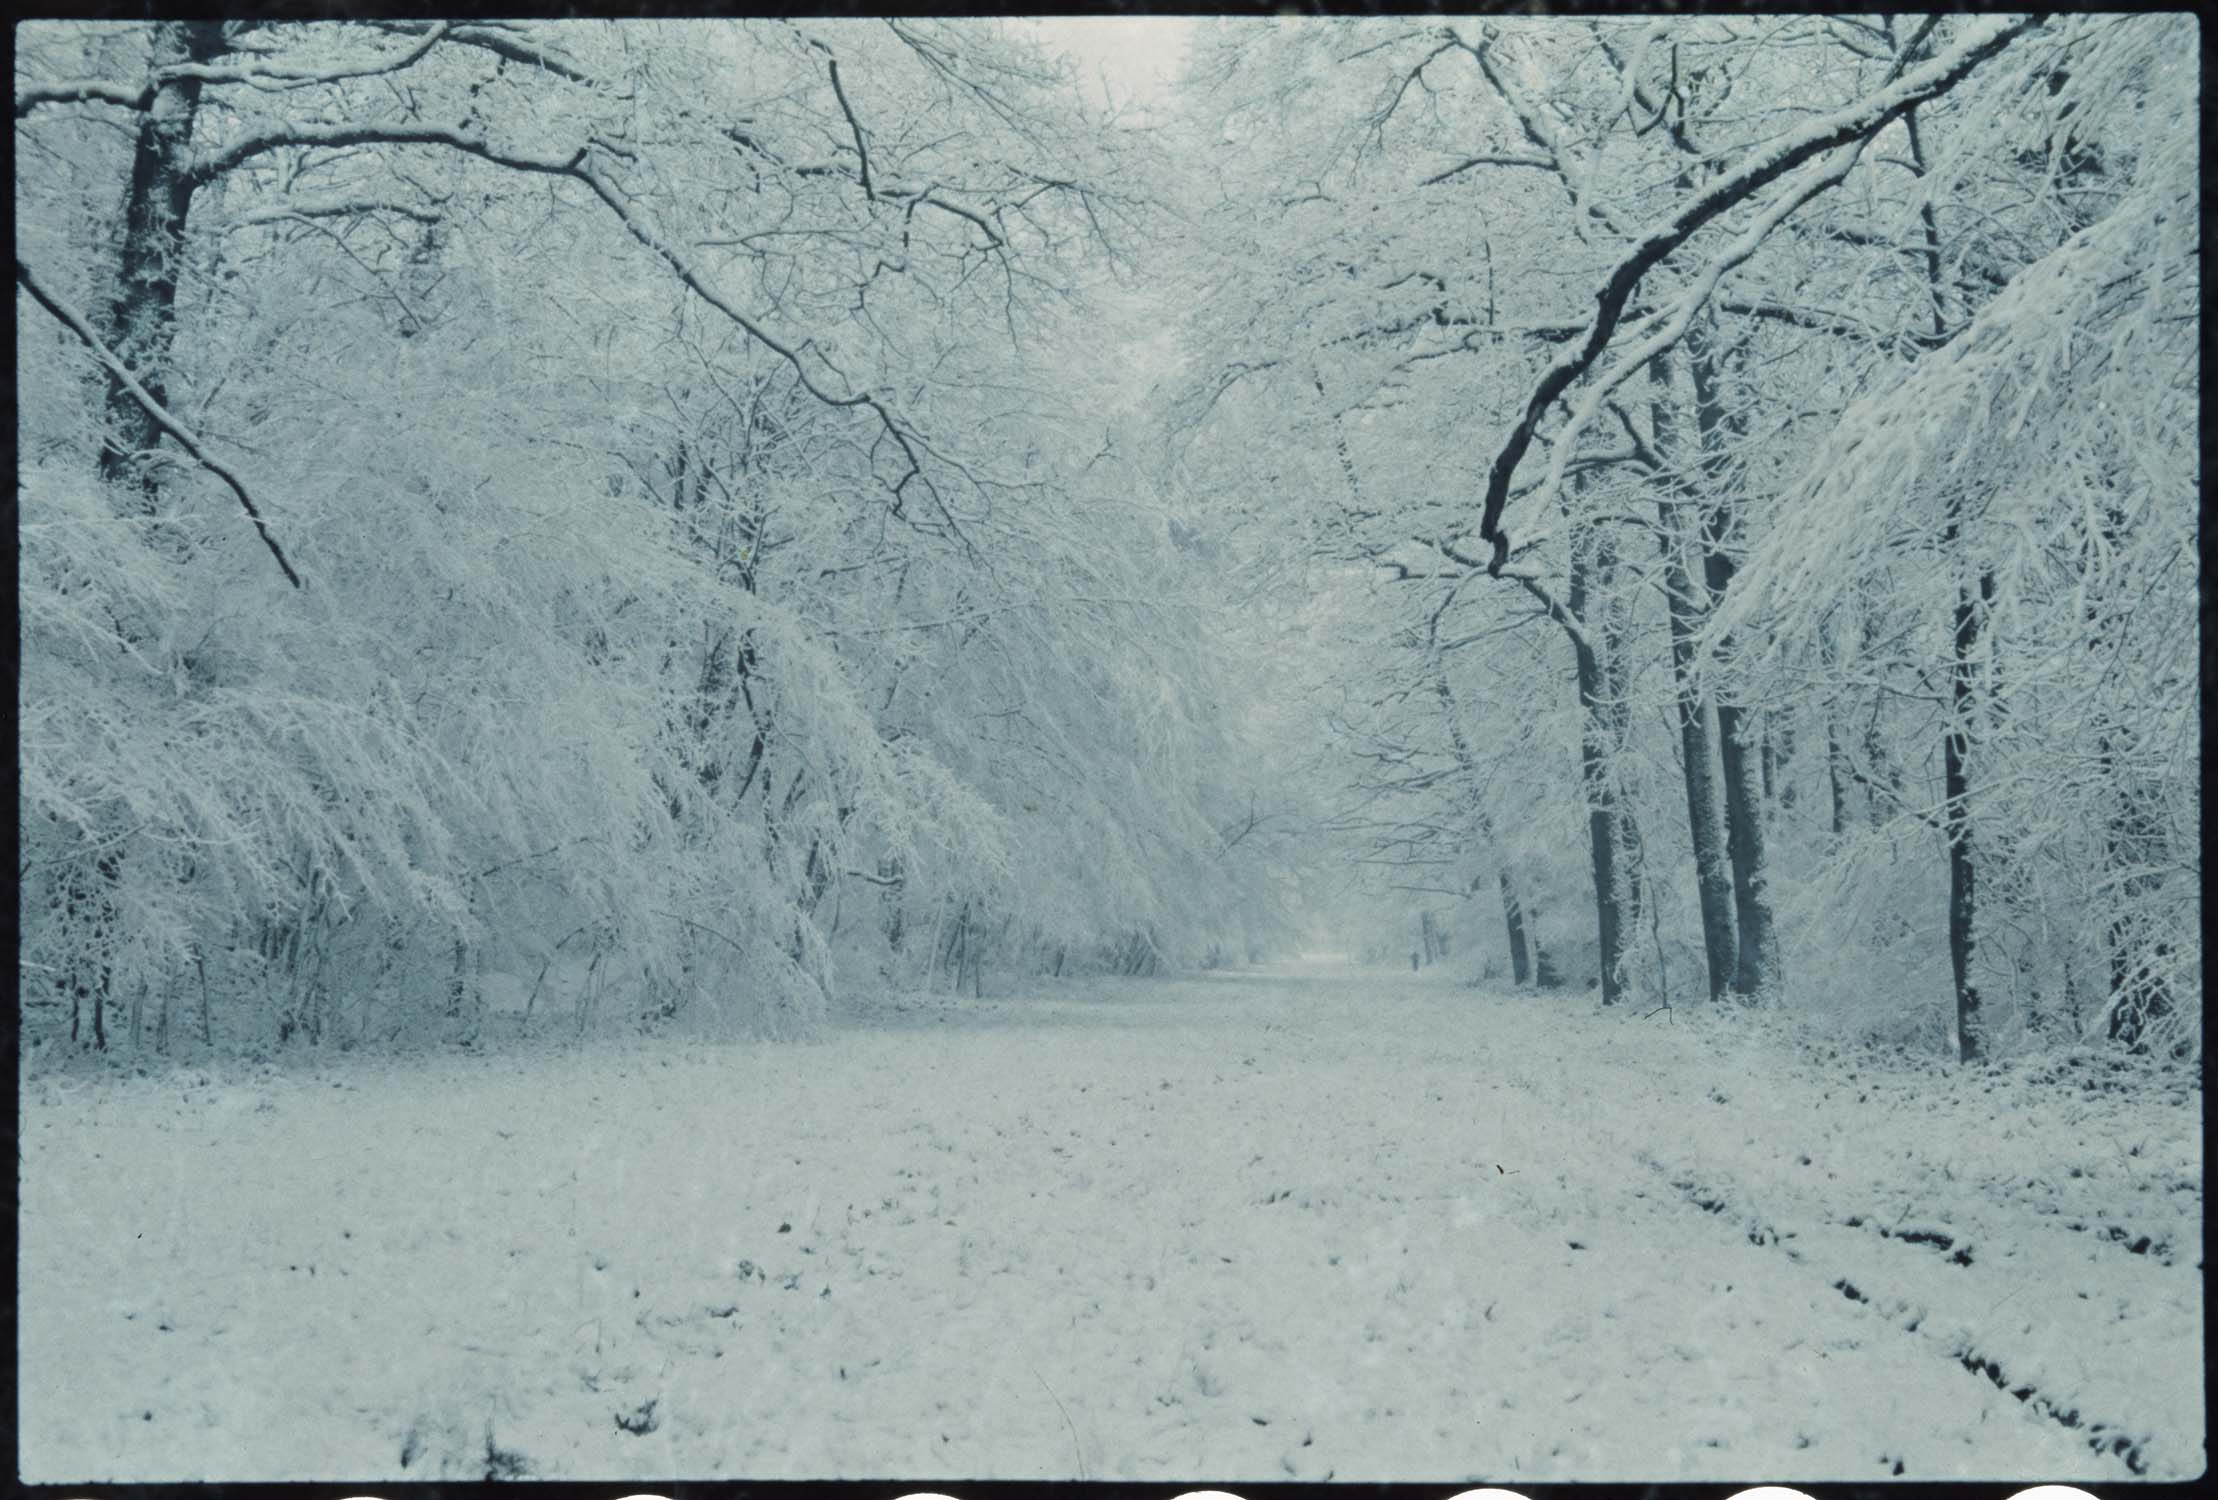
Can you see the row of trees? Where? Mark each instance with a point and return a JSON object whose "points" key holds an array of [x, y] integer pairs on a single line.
{"points": [[645, 510], [1759, 455], [667, 514]]}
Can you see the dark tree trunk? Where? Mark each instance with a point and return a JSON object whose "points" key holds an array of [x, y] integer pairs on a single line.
{"points": [[1513, 918], [90, 973], [1612, 845], [1963, 879], [1756, 961], [1546, 976], [1833, 778], [1956, 820], [141, 314]]}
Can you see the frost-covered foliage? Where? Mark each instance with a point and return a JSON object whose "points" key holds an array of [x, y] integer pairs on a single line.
{"points": [[720, 582], [2045, 458], [1689, 507], [1905, 497]]}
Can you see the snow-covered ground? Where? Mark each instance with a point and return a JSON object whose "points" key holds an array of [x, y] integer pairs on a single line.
{"points": [[1299, 1223]]}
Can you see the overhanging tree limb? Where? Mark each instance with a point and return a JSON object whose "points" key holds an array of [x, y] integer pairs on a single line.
{"points": [[76, 323], [502, 40], [82, 91], [578, 166], [1826, 175], [269, 76], [1761, 168]]}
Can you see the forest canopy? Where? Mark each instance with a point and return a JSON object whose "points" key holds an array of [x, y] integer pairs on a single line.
{"points": [[604, 524]]}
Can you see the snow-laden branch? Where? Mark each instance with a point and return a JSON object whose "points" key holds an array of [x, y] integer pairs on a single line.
{"points": [[1825, 175], [578, 166], [926, 196], [1751, 175], [327, 208], [2040, 353], [278, 76], [75, 321], [1537, 130], [1489, 160], [82, 91], [502, 40], [260, 75], [1525, 575]]}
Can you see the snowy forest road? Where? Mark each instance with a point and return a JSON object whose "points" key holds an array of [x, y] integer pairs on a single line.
{"points": [[1288, 1223]]}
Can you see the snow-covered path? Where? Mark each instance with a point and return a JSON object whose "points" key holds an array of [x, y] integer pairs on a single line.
{"points": [[1296, 1223]]}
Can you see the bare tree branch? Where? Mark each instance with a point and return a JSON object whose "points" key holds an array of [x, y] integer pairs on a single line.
{"points": [[275, 76], [326, 208], [862, 152], [256, 75], [502, 40], [1488, 161]]}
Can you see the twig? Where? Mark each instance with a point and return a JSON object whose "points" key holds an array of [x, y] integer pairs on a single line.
{"points": [[697, 927], [1076, 1446]]}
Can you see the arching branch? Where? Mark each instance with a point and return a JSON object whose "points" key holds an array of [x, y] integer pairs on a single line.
{"points": [[578, 166], [1760, 169], [75, 321]]}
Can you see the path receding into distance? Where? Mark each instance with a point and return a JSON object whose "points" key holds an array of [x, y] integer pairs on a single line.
{"points": [[1292, 1223]]}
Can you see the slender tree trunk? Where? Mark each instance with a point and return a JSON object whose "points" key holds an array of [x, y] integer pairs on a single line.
{"points": [[1833, 778], [1963, 879], [1546, 976], [1632, 855], [1956, 822], [1615, 890], [90, 973], [1513, 918], [1684, 611], [891, 903], [1482, 827], [1756, 961]]}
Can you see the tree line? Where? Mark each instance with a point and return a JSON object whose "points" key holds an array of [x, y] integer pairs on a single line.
{"points": [[644, 515], [1763, 454]]}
